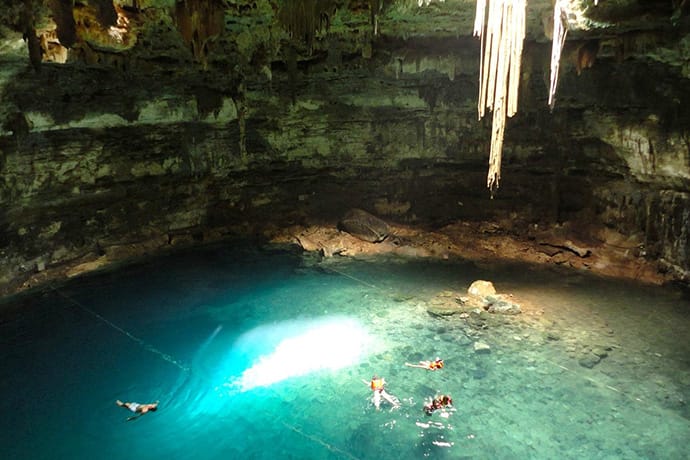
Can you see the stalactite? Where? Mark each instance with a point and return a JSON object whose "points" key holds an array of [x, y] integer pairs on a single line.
{"points": [[105, 12], [241, 102], [303, 19], [200, 22], [586, 55], [375, 8], [501, 30], [35, 54], [291, 56], [28, 27], [63, 15]]}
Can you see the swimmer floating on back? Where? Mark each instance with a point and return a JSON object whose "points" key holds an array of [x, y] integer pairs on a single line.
{"points": [[429, 365], [138, 409], [377, 386]]}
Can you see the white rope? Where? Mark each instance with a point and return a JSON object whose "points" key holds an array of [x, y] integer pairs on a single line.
{"points": [[146, 346], [349, 276], [318, 440], [596, 382]]}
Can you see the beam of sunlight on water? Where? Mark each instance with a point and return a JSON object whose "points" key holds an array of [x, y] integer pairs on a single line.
{"points": [[295, 348]]}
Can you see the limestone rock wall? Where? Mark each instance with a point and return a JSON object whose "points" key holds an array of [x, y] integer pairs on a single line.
{"points": [[115, 157]]}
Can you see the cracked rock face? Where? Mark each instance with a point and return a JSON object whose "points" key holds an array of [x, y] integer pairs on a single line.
{"points": [[130, 126]]}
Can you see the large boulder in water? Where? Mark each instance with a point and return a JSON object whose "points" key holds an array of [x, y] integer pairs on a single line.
{"points": [[481, 288], [482, 294], [364, 226]]}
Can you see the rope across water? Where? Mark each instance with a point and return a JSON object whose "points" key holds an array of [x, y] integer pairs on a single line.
{"points": [[186, 369], [145, 345]]}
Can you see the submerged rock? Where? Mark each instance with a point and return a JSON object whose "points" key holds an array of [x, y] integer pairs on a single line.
{"points": [[481, 347], [499, 304], [589, 360], [482, 294], [445, 303], [601, 351]]}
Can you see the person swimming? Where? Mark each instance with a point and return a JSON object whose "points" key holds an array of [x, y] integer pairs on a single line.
{"points": [[428, 365], [377, 386], [137, 408], [438, 402]]}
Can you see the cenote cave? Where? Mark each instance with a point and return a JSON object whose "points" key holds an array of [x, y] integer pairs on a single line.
{"points": [[345, 229]]}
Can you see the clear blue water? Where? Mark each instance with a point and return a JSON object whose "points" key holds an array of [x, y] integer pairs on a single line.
{"points": [[255, 354]]}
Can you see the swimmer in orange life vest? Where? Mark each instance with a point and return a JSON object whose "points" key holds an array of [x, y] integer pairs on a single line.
{"points": [[377, 386], [429, 365]]}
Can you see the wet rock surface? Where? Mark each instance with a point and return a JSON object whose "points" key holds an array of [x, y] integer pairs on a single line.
{"points": [[482, 242], [610, 254]]}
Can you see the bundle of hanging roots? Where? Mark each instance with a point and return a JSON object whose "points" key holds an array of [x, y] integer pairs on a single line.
{"points": [[501, 29], [500, 24]]}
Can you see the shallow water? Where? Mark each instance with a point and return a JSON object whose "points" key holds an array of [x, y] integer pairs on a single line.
{"points": [[257, 353]]}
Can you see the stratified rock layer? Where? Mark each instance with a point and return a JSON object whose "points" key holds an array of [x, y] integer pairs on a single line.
{"points": [[164, 131]]}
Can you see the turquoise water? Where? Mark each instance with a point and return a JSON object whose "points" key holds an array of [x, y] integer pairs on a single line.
{"points": [[260, 354]]}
